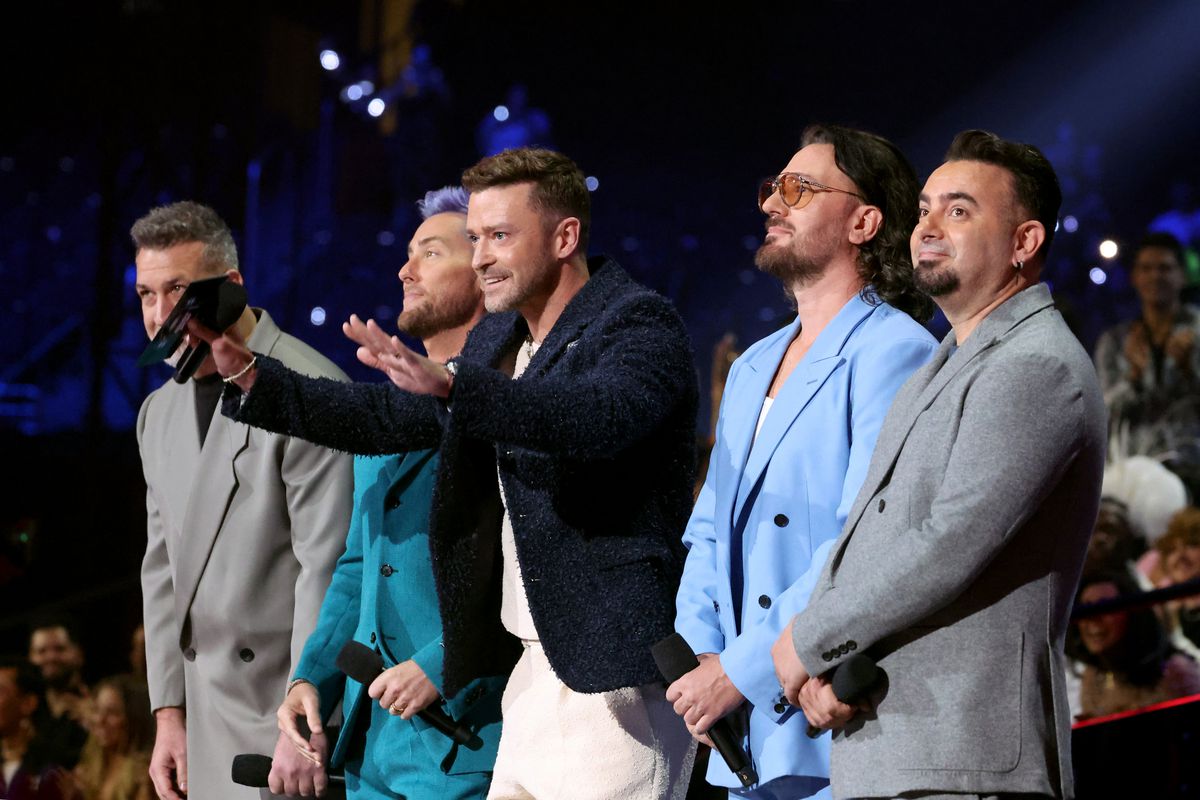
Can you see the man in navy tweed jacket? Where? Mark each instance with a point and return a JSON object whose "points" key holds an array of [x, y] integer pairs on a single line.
{"points": [[578, 392]]}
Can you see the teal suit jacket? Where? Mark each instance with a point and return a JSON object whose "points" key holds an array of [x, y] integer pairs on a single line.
{"points": [[383, 596]]}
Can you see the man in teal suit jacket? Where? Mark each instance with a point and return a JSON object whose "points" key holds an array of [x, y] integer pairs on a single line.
{"points": [[383, 594], [798, 422]]}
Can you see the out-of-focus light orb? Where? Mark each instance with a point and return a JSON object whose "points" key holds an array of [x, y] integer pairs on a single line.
{"points": [[330, 60], [593, 183], [367, 87], [500, 113], [1070, 224], [317, 317], [353, 92], [376, 107], [1097, 276], [1108, 249], [385, 239]]}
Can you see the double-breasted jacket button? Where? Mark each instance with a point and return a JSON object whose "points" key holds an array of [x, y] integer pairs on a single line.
{"points": [[882, 505], [386, 570], [781, 520], [780, 708], [190, 653], [246, 654], [764, 601]]}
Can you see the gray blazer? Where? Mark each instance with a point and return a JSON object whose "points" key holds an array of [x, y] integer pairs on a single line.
{"points": [[242, 536], [958, 564]]}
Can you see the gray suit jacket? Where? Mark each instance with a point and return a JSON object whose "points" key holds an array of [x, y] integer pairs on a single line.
{"points": [[242, 536], [958, 564]]}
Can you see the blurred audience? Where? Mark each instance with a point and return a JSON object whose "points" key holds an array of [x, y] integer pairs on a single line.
{"points": [[1128, 656], [116, 759], [29, 767], [1179, 555], [55, 650], [1149, 367], [1116, 543]]}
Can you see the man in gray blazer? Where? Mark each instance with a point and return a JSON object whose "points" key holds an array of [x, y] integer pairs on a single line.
{"points": [[243, 529], [957, 566]]}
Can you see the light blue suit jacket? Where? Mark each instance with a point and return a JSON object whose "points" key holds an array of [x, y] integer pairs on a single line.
{"points": [[383, 596], [769, 504]]}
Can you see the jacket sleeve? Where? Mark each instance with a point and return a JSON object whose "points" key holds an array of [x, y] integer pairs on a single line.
{"points": [[319, 490], [359, 418], [876, 375], [340, 609], [697, 614], [164, 662], [999, 473], [641, 370]]}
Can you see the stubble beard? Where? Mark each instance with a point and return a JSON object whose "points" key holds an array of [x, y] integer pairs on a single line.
{"points": [[431, 318], [800, 264]]}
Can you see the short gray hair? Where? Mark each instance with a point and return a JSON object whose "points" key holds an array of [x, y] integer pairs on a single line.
{"points": [[185, 222], [448, 199]]}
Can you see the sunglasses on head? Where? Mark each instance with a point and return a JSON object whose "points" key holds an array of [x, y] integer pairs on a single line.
{"points": [[795, 191]]}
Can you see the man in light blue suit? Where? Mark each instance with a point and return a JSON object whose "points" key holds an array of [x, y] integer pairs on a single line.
{"points": [[797, 426], [383, 592]]}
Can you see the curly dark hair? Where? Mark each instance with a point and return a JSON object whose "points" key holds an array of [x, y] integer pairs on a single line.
{"points": [[886, 180]]}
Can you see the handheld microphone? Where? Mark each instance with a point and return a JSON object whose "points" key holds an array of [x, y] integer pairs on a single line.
{"points": [[364, 665], [852, 680], [252, 769], [675, 658]]}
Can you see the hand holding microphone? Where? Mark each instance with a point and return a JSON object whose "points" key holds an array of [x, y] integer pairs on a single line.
{"points": [[364, 665], [675, 658], [850, 685]]}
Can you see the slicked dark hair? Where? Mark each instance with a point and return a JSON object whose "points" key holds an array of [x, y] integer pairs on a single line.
{"points": [[559, 186], [886, 180], [1034, 180]]}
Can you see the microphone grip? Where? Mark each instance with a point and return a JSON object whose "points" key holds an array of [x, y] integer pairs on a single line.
{"points": [[439, 719]]}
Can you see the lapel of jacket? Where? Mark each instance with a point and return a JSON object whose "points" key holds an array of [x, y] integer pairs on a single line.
{"points": [[214, 482], [822, 358], [928, 382], [605, 279]]}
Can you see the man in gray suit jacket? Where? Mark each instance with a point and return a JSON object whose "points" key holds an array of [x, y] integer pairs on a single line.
{"points": [[243, 529], [959, 560]]}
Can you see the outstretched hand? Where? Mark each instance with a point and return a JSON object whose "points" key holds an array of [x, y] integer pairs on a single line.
{"points": [[410, 371]]}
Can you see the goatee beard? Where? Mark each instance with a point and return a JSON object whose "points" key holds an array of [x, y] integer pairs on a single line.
{"points": [[934, 282]]}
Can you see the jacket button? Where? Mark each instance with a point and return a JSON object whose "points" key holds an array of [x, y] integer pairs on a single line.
{"points": [[852, 645], [386, 570], [764, 601], [882, 505], [372, 638], [827, 655], [780, 708], [190, 654], [246, 654], [716, 607], [843, 649], [781, 520]]}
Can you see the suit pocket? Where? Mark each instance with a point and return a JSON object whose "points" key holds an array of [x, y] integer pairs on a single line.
{"points": [[954, 697]]}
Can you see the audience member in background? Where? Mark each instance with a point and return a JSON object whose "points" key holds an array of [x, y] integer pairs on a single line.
{"points": [[29, 769], [1116, 543], [1130, 661], [55, 650], [116, 759], [1179, 555], [137, 653], [1149, 367]]}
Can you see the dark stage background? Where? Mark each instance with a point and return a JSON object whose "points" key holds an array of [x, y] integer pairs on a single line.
{"points": [[111, 107]]}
